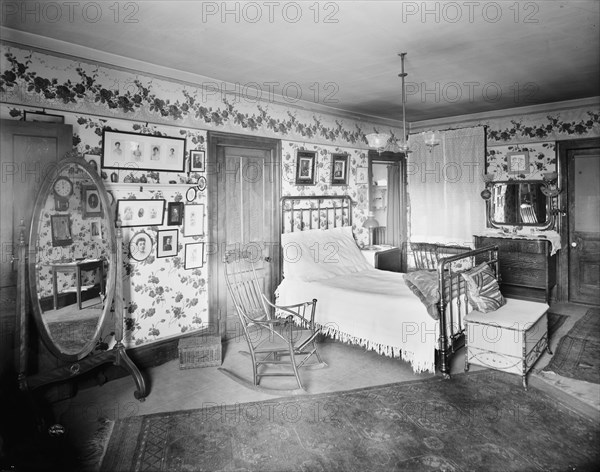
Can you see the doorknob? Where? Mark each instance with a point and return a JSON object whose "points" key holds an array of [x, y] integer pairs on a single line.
{"points": [[573, 244]]}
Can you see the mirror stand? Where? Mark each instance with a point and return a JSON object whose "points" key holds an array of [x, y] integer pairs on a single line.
{"points": [[117, 355]]}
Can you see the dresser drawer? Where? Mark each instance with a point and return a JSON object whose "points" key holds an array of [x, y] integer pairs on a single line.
{"points": [[530, 277]]}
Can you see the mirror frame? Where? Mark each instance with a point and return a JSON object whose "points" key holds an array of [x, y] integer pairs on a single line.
{"points": [[549, 223], [44, 193]]}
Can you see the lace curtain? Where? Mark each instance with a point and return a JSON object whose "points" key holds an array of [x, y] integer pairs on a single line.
{"points": [[444, 187]]}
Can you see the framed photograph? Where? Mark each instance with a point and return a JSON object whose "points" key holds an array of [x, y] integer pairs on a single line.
{"points": [[339, 169], [190, 195], [197, 161], [166, 243], [142, 152], [305, 167], [362, 175], [193, 220], [518, 162], [141, 212], [140, 246], [93, 161], [43, 117], [96, 229], [174, 213], [61, 230], [194, 255], [90, 201], [201, 184]]}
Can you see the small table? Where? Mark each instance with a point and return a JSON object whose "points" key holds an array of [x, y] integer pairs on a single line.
{"points": [[77, 267], [383, 257]]}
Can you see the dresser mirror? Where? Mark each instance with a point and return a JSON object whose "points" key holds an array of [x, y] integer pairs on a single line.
{"points": [[519, 203], [71, 259]]}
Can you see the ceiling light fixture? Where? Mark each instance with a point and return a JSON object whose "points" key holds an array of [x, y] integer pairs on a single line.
{"points": [[430, 139], [379, 141]]}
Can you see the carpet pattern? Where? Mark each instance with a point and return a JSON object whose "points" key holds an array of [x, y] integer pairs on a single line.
{"points": [[483, 420], [578, 353]]}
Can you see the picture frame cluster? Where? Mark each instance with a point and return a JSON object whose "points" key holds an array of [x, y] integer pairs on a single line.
{"points": [[306, 168]]}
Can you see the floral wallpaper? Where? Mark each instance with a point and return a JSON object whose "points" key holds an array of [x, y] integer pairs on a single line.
{"points": [[38, 79], [358, 192], [542, 159]]}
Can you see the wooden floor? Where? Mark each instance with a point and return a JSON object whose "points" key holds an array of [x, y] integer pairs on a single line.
{"points": [[350, 367]]}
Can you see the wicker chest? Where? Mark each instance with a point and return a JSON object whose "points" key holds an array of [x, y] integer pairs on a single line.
{"points": [[199, 351]]}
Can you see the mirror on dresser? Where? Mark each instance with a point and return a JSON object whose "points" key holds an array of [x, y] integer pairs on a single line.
{"points": [[74, 267], [519, 203]]}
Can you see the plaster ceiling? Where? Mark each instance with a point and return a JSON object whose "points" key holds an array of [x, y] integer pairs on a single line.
{"points": [[462, 57]]}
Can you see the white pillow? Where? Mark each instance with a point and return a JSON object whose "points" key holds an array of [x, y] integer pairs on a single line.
{"points": [[321, 254]]}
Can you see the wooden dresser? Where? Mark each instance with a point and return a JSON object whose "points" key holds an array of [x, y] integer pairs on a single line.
{"points": [[527, 270]]}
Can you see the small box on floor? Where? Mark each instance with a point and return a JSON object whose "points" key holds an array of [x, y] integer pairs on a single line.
{"points": [[199, 351]]}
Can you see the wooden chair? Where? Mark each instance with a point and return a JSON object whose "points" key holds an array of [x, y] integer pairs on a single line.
{"points": [[280, 339]]}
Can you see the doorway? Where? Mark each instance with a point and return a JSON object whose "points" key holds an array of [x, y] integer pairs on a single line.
{"points": [[581, 230], [243, 216], [28, 151]]}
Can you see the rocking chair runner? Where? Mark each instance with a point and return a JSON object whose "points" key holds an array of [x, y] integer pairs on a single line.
{"points": [[273, 341]]}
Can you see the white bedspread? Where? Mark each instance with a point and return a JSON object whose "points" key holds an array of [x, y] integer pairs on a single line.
{"points": [[374, 309]]}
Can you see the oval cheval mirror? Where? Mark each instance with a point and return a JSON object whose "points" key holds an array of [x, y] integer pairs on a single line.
{"points": [[74, 271]]}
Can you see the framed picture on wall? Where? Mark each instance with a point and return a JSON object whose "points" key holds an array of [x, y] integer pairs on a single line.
{"points": [[61, 230], [194, 255], [305, 167], [96, 229], [197, 161], [193, 220], [43, 117], [142, 152], [90, 201], [174, 213], [518, 162], [362, 175], [166, 243], [140, 246], [141, 212], [339, 169]]}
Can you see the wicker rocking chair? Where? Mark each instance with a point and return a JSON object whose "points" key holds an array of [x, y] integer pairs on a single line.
{"points": [[277, 345]]}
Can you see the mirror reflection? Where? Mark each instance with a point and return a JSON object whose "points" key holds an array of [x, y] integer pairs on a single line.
{"points": [[519, 203], [72, 259]]}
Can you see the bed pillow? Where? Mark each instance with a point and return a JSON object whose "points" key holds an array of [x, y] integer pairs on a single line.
{"points": [[483, 291], [321, 254]]}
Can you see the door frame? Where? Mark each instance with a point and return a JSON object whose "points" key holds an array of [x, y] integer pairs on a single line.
{"points": [[562, 220], [217, 288]]}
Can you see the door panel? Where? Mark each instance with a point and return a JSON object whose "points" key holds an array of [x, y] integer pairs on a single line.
{"points": [[584, 226], [28, 151], [246, 215]]}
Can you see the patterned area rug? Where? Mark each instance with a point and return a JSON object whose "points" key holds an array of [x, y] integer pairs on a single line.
{"points": [[478, 421], [578, 353]]}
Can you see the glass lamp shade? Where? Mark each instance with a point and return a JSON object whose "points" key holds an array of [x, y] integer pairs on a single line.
{"points": [[378, 140], [371, 223]]}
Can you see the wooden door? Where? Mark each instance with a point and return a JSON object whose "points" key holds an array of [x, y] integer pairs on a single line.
{"points": [[584, 225], [246, 216], [28, 152]]}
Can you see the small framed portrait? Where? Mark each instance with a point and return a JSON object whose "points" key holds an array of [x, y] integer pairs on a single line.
{"points": [[362, 175], [339, 169], [43, 117], [61, 230], [197, 161], [518, 162], [140, 246], [141, 212], [166, 243], [193, 220], [305, 167], [201, 184], [93, 161], [90, 201], [174, 213], [190, 195], [96, 229], [194, 255]]}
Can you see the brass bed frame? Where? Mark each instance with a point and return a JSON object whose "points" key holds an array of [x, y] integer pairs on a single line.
{"points": [[299, 213]]}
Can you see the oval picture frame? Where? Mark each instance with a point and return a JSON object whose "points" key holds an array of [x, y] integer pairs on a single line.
{"points": [[140, 246], [201, 183], [190, 195]]}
